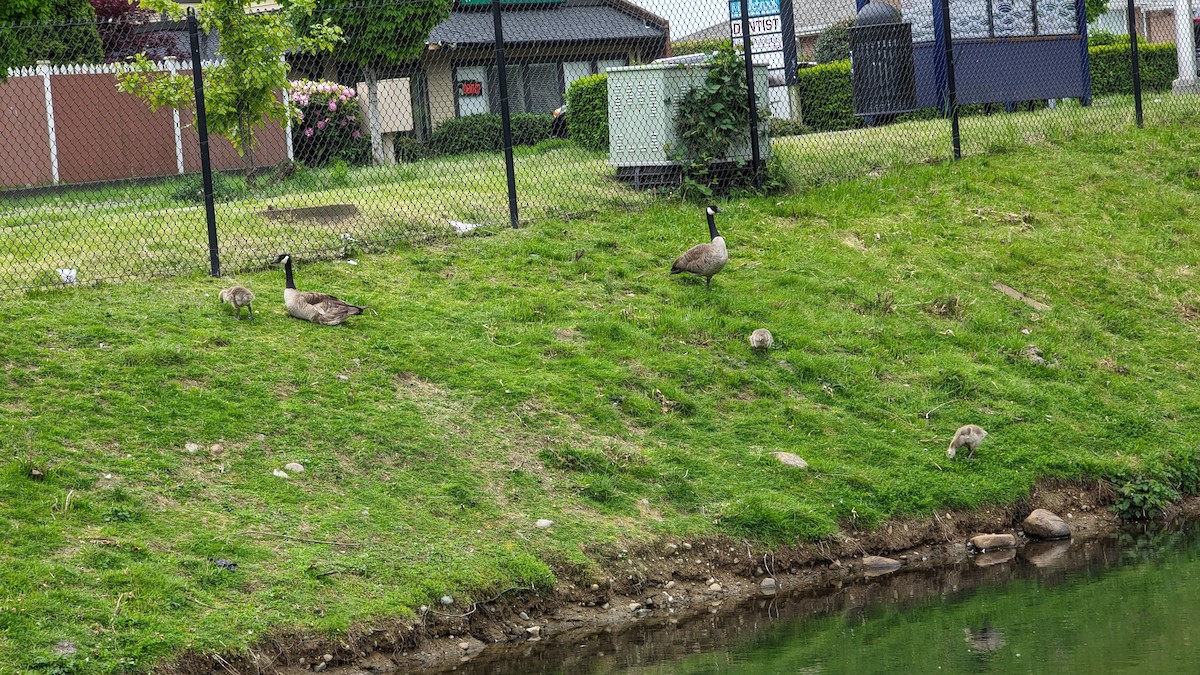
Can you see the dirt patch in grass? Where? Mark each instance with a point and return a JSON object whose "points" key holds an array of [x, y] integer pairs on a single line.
{"points": [[673, 580]]}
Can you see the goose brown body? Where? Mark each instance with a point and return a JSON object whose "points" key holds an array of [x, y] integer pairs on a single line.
{"points": [[704, 260], [321, 308], [238, 297], [968, 436]]}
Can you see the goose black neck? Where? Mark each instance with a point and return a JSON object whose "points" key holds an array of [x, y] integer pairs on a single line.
{"points": [[712, 227], [287, 270]]}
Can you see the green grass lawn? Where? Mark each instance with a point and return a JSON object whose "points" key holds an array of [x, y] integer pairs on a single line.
{"points": [[504, 378]]}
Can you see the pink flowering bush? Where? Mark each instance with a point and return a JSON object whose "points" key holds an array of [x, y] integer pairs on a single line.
{"points": [[327, 124]]}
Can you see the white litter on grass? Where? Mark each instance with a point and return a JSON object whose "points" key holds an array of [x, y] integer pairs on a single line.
{"points": [[462, 228], [68, 276], [351, 262]]}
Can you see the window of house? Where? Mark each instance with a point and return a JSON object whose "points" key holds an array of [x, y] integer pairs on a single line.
{"points": [[532, 87]]}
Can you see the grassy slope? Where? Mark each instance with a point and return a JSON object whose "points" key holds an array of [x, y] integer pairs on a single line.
{"points": [[503, 381]]}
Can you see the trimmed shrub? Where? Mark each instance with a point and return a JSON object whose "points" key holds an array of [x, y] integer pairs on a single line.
{"points": [[328, 124], [706, 46], [530, 128], [779, 127], [1097, 38], [463, 135], [587, 111], [1111, 72], [485, 133], [833, 44], [827, 97]]}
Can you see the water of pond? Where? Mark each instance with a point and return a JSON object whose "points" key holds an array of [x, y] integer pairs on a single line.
{"points": [[1126, 604]]}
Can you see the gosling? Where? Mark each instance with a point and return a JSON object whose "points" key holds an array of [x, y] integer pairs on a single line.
{"points": [[238, 297], [705, 260], [969, 437], [761, 340]]}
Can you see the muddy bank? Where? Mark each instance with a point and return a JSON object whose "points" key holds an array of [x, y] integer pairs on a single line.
{"points": [[699, 585]]}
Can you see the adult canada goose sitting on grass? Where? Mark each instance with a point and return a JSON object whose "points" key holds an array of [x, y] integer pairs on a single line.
{"points": [[704, 260], [315, 307]]}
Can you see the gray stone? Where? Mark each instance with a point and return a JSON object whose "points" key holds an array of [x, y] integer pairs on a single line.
{"points": [[543, 523], [874, 565], [788, 459], [191, 447], [524, 616], [714, 587], [995, 557], [320, 667], [635, 606], [534, 631], [1043, 524], [643, 613], [280, 474], [447, 600], [768, 586], [670, 549], [1045, 553], [464, 645], [64, 648], [327, 658], [990, 542], [294, 467]]}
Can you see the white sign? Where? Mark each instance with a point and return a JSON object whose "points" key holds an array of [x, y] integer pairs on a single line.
{"points": [[761, 25]]}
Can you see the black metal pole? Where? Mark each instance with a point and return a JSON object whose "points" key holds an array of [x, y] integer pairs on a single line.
{"points": [[951, 92], [505, 120], [1137, 68], [210, 210], [755, 157]]}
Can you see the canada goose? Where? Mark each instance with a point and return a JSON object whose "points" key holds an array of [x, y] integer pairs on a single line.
{"points": [[315, 307], [704, 259], [238, 297], [969, 437], [761, 339]]}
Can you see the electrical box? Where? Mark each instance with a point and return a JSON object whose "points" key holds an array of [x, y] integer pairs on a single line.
{"points": [[642, 102]]}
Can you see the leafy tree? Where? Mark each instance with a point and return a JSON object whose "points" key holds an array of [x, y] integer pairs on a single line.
{"points": [[833, 44], [382, 34], [242, 89], [117, 20], [59, 31], [1092, 9]]}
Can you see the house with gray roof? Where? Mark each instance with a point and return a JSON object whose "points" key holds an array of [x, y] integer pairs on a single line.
{"points": [[547, 47], [810, 17]]}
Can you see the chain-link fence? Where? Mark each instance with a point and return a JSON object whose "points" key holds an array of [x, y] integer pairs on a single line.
{"points": [[374, 121]]}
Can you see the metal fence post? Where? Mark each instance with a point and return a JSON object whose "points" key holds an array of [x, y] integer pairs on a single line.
{"points": [[951, 92], [755, 157], [1133, 59], [210, 209], [505, 119]]}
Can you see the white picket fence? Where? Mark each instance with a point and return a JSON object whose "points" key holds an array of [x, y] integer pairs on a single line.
{"points": [[47, 71]]}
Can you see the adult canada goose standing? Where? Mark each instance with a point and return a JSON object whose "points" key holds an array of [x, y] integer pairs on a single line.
{"points": [[704, 260], [315, 307]]}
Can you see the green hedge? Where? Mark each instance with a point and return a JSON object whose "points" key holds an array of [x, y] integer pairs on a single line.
{"points": [[485, 133], [1111, 73], [827, 97], [587, 112], [827, 93]]}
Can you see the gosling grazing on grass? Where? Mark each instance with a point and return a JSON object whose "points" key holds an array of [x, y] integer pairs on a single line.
{"points": [[761, 340], [319, 308], [704, 260], [238, 297], [969, 437]]}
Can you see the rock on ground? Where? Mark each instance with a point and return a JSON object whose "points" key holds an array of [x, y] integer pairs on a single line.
{"points": [[294, 467], [991, 542], [788, 459], [1043, 524]]}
